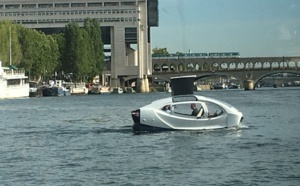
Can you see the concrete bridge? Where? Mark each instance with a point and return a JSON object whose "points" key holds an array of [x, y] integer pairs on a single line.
{"points": [[249, 70]]}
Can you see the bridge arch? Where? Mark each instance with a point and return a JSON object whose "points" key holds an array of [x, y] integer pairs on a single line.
{"points": [[266, 65], [173, 67], [165, 67], [260, 77], [292, 64], [249, 65], [205, 66], [258, 65], [197, 67], [232, 66], [190, 66], [215, 66], [218, 74], [224, 66], [156, 68], [240, 66], [283, 64], [181, 67], [274, 64]]}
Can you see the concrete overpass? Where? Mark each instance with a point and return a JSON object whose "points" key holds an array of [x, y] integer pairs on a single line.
{"points": [[247, 70]]}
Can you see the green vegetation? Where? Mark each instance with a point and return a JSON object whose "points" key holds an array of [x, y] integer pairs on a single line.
{"points": [[160, 51], [77, 51]]}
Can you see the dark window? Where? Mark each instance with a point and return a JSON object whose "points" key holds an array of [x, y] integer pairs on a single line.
{"points": [[111, 4]]}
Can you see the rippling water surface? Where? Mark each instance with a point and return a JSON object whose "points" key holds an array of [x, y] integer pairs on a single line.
{"points": [[87, 140]]}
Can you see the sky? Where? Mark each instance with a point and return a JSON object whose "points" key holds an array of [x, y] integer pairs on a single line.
{"points": [[254, 28]]}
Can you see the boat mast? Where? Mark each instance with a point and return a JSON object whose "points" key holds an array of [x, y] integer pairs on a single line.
{"points": [[9, 45]]}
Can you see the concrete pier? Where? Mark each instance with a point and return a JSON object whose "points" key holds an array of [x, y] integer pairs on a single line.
{"points": [[142, 85], [249, 84]]}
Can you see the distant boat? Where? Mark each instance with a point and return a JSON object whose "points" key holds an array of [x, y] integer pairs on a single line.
{"points": [[13, 82], [77, 88], [99, 89], [104, 90], [117, 90], [218, 86], [34, 90], [233, 86], [129, 90], [55, 88]]}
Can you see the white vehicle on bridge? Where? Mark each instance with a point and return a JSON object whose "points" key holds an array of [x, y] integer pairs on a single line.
{"points": [[175, 113]]}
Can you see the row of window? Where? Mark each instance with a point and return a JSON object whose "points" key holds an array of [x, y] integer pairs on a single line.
{"points": [[122, 19], [57, 5], [71, 12]]}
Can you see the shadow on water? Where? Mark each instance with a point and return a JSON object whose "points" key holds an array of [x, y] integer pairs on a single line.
{"points": [[216, 132]]}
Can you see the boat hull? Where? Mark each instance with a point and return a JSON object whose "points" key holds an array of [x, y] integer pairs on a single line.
{"points": [[55, 91], [137, 127], [15, 92], [35, 92]]}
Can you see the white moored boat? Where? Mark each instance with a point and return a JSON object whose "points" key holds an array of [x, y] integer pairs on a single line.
{"points": [[13, 83], [77, 88], [210, 113]]}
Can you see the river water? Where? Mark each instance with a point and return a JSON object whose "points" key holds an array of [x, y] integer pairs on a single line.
{"points": [[87, 140]]}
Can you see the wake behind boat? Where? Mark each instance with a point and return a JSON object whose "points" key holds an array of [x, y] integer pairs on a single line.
{"points": [[185, 111]]}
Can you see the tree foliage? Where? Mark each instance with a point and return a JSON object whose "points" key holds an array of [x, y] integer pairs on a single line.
{"points": [[60, 40], [77, 51], [10, 48], [83, 51], [92, 27], [40, 52], [160, 51]]}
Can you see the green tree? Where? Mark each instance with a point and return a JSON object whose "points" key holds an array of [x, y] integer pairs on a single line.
{"points": [[160, 51], [92, 26], [40, 53], [77, 52], [60, 40], [10, 49], [30, 50], [179, 53], [51, 51]]}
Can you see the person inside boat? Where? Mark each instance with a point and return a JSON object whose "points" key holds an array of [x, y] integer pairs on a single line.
{"points": [[195, 109], [167, 108]]}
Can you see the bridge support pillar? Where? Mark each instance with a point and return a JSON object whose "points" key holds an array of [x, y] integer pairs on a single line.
{"points": [[122, 83], [249, 85], [115, 82], [168, 87], [142, 85]]}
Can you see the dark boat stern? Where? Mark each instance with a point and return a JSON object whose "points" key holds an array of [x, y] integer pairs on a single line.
{"points": [[136, 119]]}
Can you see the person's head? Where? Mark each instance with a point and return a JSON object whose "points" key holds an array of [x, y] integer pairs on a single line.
{"points": [[167, 107], [193, 106]]}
